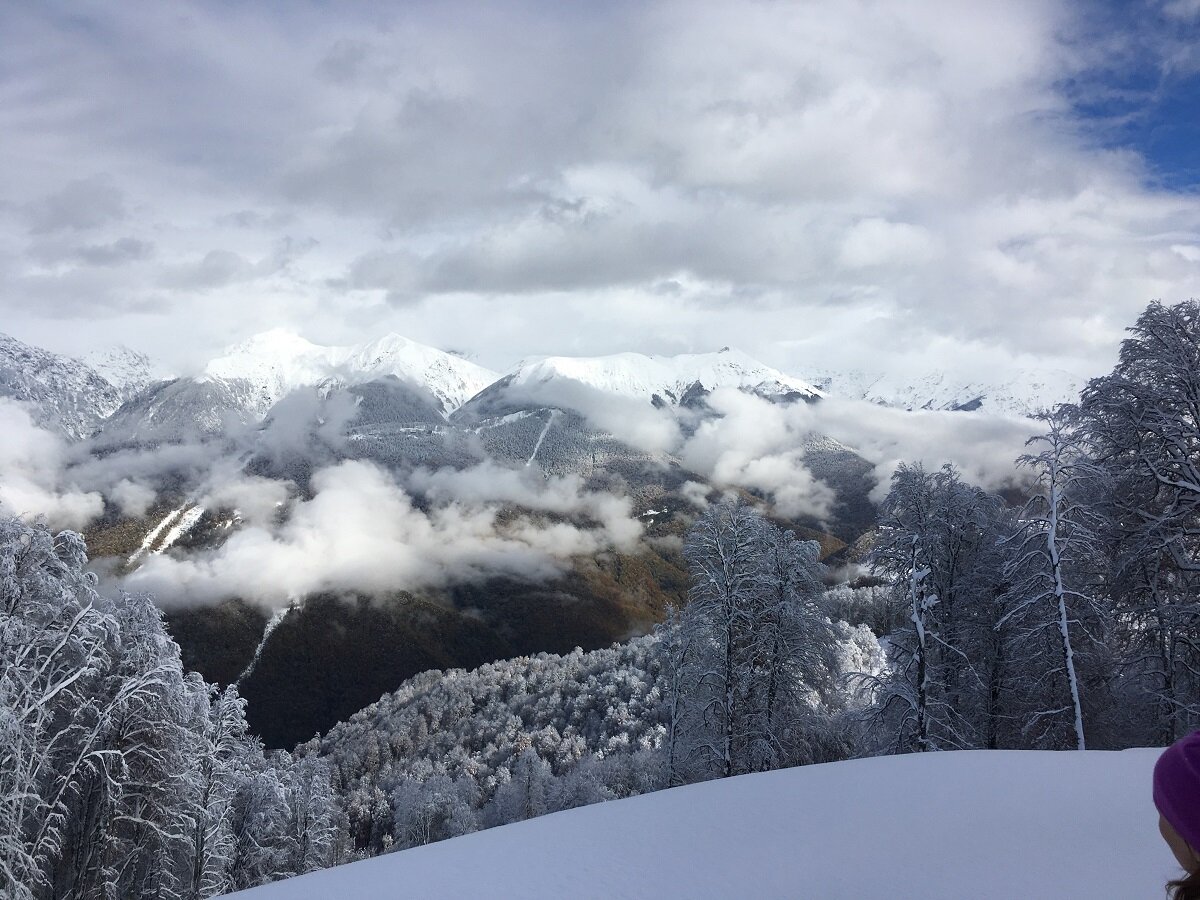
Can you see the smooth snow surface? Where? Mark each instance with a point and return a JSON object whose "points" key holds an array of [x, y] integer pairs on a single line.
{"points": [[277, 362], [669, 377], [1004, 825]]}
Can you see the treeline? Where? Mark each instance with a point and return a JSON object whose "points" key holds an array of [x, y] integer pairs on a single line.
{"points": [[121, 775], [751, 675], [1075, 621]]}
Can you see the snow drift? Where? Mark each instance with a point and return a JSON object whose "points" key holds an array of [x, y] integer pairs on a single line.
{"points": [[984, 824]]}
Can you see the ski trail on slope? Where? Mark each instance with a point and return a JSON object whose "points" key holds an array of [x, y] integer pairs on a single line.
{"points": [[541, 437], [182, 526], [272, 623], [149, 539], [175, 524]]}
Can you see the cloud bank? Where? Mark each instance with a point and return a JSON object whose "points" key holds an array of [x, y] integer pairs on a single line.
{"points": [[759, 445], [33, 478], [352, 526], [825, 184], [361, 531]]}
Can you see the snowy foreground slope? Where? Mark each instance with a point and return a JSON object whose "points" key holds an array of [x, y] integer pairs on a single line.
{"points": [[980, 824]]}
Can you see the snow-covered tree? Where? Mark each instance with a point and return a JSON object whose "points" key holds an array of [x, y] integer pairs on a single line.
{"points": [[435, 808], [1142, 424], [222, 747], [312, 811], [120, 775], [752, 656], [526, 792], [677, 647], [724, 551], [261, 845], [1053, 608], [53, 649], [793, 660], [91, 700], [937, 542]]}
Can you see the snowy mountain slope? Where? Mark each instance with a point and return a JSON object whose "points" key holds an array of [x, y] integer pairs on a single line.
{"points": [[669, 378], [129, 371], [243, 386], [276, 362], [1021, 393], [185, 406], [68, 396], [997, 825]]}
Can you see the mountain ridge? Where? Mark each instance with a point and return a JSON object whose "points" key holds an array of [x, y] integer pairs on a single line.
{"points": [[278, 361], [68, 396], [645, 377], [124, 392]]}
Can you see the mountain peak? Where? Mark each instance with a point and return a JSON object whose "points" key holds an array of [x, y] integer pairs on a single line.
{"points": [[274, 340], [128, 370], [278, 361]]}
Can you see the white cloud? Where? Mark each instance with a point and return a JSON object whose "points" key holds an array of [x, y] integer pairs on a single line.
{"points": [[877, 242], [983, 446], [695, 493], [551, 179], [488, 484], [32, 483], [132, 498], [754, 445], [628, 419], [361, 531], [257, 500], [1182, 9]]}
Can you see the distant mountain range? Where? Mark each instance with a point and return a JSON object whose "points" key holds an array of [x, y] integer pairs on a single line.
{"points": [[278, 408], [129, 371], [125, 394], [660, 380], [1021, 393]]}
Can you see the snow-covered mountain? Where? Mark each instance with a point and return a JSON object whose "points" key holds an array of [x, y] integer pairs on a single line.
{"points": [[67, 395], [1022, 392], [937, 826], [277, 362], [129, 371], [664, 381], [243, 385], [670, 379]]}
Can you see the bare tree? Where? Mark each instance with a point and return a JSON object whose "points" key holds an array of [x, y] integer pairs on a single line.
{"points": [[1052, 569], [793, 661], [724, 552]]}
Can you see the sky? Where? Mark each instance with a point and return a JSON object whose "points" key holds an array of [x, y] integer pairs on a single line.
{"points": [[959, 185]]}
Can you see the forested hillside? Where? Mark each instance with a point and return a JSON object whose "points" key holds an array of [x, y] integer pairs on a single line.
{"points": [[121, 774], [1064, 623]]}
